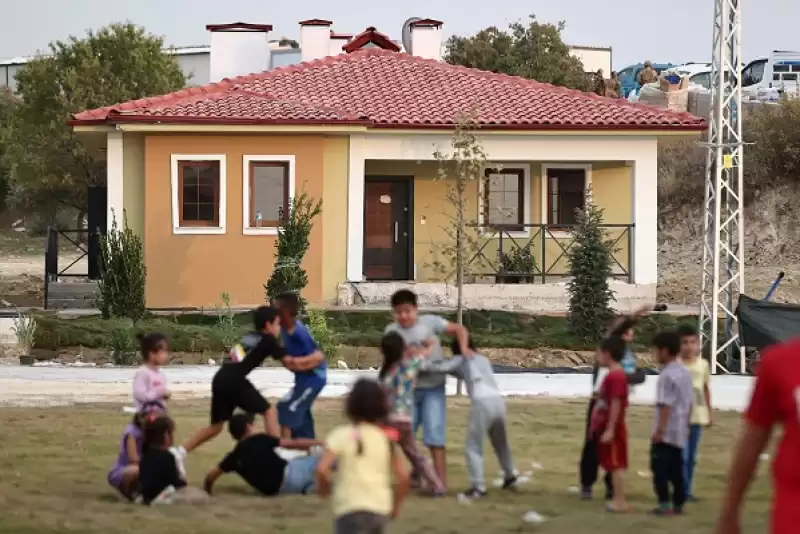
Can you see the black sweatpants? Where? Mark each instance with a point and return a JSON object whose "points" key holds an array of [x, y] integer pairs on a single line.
{"points": [[666, 462], [590, 463]]}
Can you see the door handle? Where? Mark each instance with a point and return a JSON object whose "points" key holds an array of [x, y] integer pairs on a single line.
{"points": [[396, 227]]}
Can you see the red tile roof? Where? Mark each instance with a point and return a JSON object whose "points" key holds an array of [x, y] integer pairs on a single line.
{"points": [[235, 26], [370, 35], [316, 22], [384, 89]]}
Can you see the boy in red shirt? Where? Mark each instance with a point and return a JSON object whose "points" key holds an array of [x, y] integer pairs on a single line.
{"points": [[608, 420], [775, 401]]}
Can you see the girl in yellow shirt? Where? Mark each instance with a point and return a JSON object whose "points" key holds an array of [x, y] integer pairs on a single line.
{"points": [[366, 462]]}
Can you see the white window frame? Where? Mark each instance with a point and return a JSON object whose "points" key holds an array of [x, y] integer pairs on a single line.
{"points": [[177, 229], [545, 190], [526, 198], [246, 161]]}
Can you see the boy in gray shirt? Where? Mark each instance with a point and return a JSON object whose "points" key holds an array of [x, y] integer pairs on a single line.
{"points": [[487, 415], [674, 398], [421, 335]]}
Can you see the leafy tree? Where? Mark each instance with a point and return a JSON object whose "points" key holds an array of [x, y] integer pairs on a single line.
{"points": [[590, 259], [534, 51], [8, 104], [461, 166], [49, 166], [291, 248]]}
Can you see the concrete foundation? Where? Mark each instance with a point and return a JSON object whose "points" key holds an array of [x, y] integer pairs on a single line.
{"points": [[537, 298]]}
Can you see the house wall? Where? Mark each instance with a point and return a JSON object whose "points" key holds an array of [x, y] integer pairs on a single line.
{"points": [[638, 151], [611, 190], [133, 169], [193, 270]]}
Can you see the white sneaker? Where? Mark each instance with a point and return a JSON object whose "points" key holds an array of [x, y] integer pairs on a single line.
{"points": [[165, 497], [180, 455]]}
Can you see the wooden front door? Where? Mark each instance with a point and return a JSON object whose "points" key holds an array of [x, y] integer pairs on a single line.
{"points": [[388, 229]]}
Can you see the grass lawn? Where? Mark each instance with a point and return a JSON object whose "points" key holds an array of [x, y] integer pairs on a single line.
{"points": [[54, 463]]}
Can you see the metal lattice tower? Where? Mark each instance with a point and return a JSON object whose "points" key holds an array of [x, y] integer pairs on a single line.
{"points": [[723, 222]]}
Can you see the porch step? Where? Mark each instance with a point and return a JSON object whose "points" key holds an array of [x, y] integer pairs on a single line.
{"points": [[71, 295]]}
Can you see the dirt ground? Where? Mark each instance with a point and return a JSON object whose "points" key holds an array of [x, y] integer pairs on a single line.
{"points": [[58, 458]]}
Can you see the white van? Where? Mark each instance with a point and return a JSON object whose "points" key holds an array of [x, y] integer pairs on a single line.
{"points": [[781, 71]]}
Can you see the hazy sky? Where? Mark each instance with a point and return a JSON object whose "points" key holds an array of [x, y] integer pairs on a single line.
{"points": [[662, 30]]}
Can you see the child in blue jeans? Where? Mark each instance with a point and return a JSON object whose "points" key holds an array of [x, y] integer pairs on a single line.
{"points": [[307, 363], [421, 335]]}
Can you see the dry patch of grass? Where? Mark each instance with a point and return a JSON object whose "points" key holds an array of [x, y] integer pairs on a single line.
{"points": [[53, 465]]}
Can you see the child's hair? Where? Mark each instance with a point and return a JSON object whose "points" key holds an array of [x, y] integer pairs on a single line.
{"points": [[263, 315], [290, 302], [455, 347], [614, 346], [156, 431], [687, 330], [404, 296], [668, 340], [151, 343], [392, 347], [366, 403], [238, 424], [626, 324], [149, 412]]}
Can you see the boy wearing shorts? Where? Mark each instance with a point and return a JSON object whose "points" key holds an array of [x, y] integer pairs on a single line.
{"points": [[608, 420], [230, 388], [421, 334], [307, 363]]}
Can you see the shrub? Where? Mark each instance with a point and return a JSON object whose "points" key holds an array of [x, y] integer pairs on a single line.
{"points": [[123, 346], [326, 338], [227, 329], [590, 260], [291, 247], [123, 273]]}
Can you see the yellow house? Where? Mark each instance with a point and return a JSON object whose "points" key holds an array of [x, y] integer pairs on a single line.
{"points": [[207, 174]]}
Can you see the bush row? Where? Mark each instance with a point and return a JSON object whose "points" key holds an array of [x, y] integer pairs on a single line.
{"points": [[199, 333]]}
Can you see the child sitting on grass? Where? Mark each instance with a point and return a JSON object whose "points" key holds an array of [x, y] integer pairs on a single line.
{"points": [[365, 463], [255, 460], [398, 375], [124, 474], [149, 383], [161, 477]]}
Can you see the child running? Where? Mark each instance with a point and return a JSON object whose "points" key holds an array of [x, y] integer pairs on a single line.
{"points": [[608, 427], [670, 425], [230, 388], [487, 416], [307, 363], [398, 375], [161, 477], [421, 334], [149, 383], [255, 460], [365, 462], [701, 407]]}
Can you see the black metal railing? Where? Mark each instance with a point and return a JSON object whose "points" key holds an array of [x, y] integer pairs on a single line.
{"points": [[80, 240], [531, 253]]}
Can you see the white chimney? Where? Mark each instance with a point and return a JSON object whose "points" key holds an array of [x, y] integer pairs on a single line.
{"points": [[426, 39], [338, 41], [315, 39], [238, 49]]}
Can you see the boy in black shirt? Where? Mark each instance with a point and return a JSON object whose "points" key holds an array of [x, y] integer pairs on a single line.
{"points": [[255, 460], [230, 388]]}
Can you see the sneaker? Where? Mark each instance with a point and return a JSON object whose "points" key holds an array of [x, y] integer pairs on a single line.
{"points": [[510, 483], [586, 494], [180, 455], [662, 511], [474, 493]]}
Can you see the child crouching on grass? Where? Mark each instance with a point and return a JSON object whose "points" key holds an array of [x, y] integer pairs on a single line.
{"points": [[161, 476], [365, 463]]}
